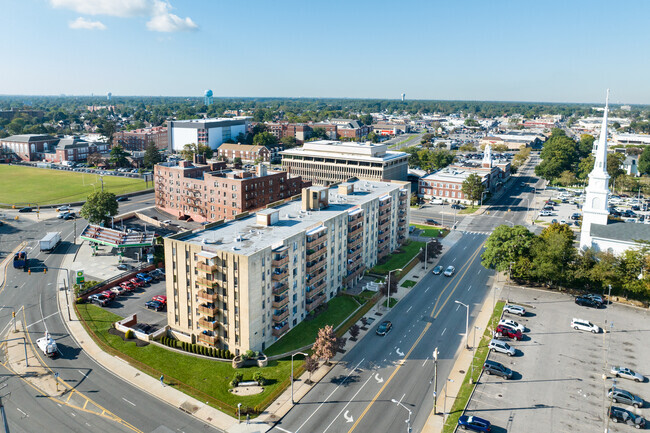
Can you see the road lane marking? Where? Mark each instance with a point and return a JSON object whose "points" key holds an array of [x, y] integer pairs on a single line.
{"points": [[443, 332], [325, 401], [281, 429], [409, 308], [42, 320], [20, 410], [83, 374], [345, 407], [132, 404], [425, 361]]}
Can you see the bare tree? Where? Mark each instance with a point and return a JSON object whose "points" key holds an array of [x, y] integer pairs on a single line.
{"points": [[326, 344]]}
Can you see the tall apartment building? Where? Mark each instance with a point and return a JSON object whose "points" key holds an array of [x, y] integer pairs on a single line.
{"points": [[139, 139], [211, 132], [325, 162], [210, 192], [243, 284]]}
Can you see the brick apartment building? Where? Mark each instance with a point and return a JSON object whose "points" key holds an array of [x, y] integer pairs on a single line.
{"points": [[138, 139], [74, 149], [211, 192], [248, 153]]}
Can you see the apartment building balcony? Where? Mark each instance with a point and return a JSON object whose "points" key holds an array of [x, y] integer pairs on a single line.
{"points": [[402, 203], [354, 242], [402, 212], [208, 309], [403, 193], [208, 324], [315, 266], [310, 306], [206, 296], [314, 254], [279, 275], [315, 291], [279, 330], [352, 276], [315, 275], [355, 230], [280, 289], [279, 316], [279, 302], [355, 262], [206, 268], [280, 260], [401, 228], [208, 339], [383, 205], [320, 240], [356, 216], [204, 282]]}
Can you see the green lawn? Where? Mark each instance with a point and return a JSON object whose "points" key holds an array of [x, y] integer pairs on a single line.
{"points": [[306, 331], [22, 185], [465, 391], [207, 376], [408, 283], [399, 259], [468, 210], [428, 231], [393, 302]]}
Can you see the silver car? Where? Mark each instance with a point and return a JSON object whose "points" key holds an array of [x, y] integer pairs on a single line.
{"points": [[622, 396], [514, 309], [626, 373]]}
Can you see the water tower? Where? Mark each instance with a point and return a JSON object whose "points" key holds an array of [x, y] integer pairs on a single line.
{"points": [[403, 96], [108, 96], [207, 99]]}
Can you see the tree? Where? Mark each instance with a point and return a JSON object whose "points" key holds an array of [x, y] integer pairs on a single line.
{"points": [[354, 332], [434, 249], [237, 161], [472, 123], [558, 154], [189, 150], [473, 187], [366, 119], [567, 178], [644, 161], [310, 365], [152, 155], [326, 344], [383, 289], [414, 200], [372, 137], [586, 144], [118, 156], [318, 133], [288, 141], [500, 148], [614, 164], [505, 246], [95, 159], [107, 128], [265, 139], [99, 207], [467, 147]]}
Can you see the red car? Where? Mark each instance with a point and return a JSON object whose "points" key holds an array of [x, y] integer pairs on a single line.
{"points": [[138, 282], [128, 286], [505, 331], [162, 299], [110, 295]]}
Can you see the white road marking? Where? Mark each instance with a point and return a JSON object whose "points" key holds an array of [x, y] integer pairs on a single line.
{"points": [[19, 410], [409, 308], [332, 393], [399, 352], [281, 429], [132, 404], [73, 414], [457, 307], [479, 271], [425, 361], [42, 320], [400, 400], [345, 407], [82, 373], [465, 247], [443, 332], [426, 290]]}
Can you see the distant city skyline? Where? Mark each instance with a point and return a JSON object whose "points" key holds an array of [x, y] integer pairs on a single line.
{"points": [[473, 50]]}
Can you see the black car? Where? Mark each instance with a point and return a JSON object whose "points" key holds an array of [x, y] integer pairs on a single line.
{"points": [[586, 302], [122, 198], [154, 305], [575, 216], [457, 206], [432, 222], [25, 209], [437, 270], [384, 327], [596, 298], [618, 414], [635, 207]]}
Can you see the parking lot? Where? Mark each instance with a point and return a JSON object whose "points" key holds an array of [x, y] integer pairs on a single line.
{"points": [[557, 383], [133, 303]]}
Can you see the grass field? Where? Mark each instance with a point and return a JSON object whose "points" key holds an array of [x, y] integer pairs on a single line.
{"points": [[22, 185], [204, 375], [305, 332], [468, 210], [427, 231], [399, 259]]}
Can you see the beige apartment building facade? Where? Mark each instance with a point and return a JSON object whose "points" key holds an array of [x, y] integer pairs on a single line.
{"points": [[243, 284], [325, 162]]}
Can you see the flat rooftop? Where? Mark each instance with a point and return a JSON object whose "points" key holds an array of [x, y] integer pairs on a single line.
{"points": [[453, 175], [349, 150], [246, 237]]}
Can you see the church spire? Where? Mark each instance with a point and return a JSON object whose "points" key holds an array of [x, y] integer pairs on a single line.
{"points": [[600, 166]]}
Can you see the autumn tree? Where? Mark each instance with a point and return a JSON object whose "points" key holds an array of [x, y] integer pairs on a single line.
{"points": [[310, 365], [326, 344]]}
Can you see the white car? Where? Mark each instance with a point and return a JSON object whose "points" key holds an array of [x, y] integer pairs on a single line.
{"points": [[626, 373], [512, 324], [514, 309], [585, 325], [63, 208], [449, 271], [502, 347], [546, 213]]}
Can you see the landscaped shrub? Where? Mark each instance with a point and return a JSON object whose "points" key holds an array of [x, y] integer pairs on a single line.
{"points": [[129, 334], [257, 377], [228, 355]]}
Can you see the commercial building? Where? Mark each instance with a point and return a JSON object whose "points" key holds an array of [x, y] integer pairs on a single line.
{"points": [[27, 147], [211, 192], [73, 149], [243, 284], [210, 132], [632, 139], [139, 139], [513, 140], [390, 128], [248, 153], [325, 162]]}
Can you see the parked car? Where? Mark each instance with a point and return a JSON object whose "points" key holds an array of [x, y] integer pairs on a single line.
{"points": [[432, 222], [160, 298], [449, 271], [122, 267], [585, 325], [159, 272], [137, 282], [596, 298], [100, 300], [144, 277], [25, 209], [437, 270], [586, 302], [493, 367], [109, 294], [384, 327], [575, 216], [118, 290], [505, 331], [545, 213], [618, 395], [128, 286], [626, 373], [501, 347], [514, 309], [457, 206], [512, 324], [474, 423], [621, 415], [63, 208], [154, 305]]}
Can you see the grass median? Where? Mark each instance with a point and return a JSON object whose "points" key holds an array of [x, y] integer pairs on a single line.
{"points": [[40, 186], [458, 406], [195, 376]]}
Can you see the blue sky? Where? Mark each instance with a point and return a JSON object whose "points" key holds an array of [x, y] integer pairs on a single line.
{"points": [[557, 51]]}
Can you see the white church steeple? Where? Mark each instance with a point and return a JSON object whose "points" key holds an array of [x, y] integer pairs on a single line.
{"points": [[595, 209], [487, 157]]}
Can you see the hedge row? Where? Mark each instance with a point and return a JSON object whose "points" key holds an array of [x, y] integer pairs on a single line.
{"points": [[197, 348]]}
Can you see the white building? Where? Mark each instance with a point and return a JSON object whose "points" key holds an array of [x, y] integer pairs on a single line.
{"points": [[634, 139], [210, 132]]}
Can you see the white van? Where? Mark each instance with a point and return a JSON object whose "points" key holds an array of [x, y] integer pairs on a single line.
{"points": [[437, 201]]}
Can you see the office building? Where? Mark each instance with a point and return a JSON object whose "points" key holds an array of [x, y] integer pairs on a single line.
{"points": [[209, 132], [211, 192], [139, 139], [243, 284], [325, 162], [248, 152]]}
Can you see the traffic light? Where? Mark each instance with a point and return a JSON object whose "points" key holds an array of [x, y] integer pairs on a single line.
{"points": [[13, 314]]}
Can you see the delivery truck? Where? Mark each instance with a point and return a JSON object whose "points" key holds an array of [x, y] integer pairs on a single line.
{"points": [[50, 241]]}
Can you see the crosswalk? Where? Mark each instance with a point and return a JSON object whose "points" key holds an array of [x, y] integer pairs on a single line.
{"points": [[471, 232]]}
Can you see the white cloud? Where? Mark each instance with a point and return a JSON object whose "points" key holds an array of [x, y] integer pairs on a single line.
{"points": [[164, 21], [84, 24], [116, 8], [159, 12]]}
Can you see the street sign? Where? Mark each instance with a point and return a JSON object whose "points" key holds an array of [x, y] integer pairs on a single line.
{"points": [[80, 277]]}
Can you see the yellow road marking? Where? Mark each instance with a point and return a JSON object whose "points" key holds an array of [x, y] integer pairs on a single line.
{"points": [[426, 328]]}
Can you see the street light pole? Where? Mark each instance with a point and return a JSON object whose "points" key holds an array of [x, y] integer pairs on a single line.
{"points": [[471, 378], [466, 324], [408, 421], [444, 406], [239, 413], [388, 288], [435, 380], [297, 353]]}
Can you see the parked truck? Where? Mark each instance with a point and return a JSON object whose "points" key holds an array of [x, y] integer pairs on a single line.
{"points": [[50, 241]]}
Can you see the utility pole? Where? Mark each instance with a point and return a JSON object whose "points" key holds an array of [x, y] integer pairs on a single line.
{"points": [[101, 179], [435, 380]]}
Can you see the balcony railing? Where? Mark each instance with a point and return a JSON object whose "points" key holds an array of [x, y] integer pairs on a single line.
{"points": [[280, 302], [355, 242], [315, 303], [208, 339], [355, 231], [279, 276], [384, 204], [314, 292], [355, 263], [279, 317], [314, 254], [206, 268], [278, 262], [315, 242], [206, 296], [208, 309], [316, 266], [277, 332], [278, 290], [204, 282], [207, 324]]}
